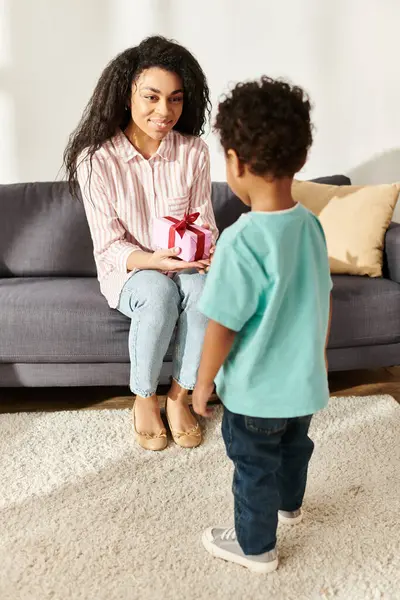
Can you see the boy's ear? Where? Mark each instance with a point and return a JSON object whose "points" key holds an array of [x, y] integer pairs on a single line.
{"points": [[236, 165]]}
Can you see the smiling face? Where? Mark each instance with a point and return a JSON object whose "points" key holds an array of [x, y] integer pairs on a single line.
{"points": [[156, 103]]}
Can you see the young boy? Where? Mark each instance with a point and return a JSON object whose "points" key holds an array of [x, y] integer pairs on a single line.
{"points": [[268, 300]]}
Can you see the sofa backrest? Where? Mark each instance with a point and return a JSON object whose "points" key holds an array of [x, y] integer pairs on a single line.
{"points": [[228, 208], [44, 232]]}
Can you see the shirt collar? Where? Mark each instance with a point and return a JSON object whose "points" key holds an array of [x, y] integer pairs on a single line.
{"points": [[127, 151], [165, 149]]}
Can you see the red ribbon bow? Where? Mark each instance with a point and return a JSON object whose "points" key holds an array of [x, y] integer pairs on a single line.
{"points": [[186, 224], [181, 226]]}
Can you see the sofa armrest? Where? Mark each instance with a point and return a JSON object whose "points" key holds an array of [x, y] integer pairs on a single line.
{"points": [[392, 253]]}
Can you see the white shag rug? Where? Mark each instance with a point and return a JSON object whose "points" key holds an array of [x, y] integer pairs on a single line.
{"points": [[87, 515]]}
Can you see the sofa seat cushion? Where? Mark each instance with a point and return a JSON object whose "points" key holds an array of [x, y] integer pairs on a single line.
{"points": [[366, 311], [67, 320], [59, 320]]}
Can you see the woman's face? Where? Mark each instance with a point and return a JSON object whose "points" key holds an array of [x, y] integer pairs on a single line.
{"points": [[156, 102]]}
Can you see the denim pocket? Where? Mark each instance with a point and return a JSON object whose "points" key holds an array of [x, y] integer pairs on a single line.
{"points": [[226, 430], [265, 426]]}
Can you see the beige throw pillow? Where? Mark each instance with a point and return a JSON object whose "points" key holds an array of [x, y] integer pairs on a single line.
{"points": [[355, 220], [314, 196]]}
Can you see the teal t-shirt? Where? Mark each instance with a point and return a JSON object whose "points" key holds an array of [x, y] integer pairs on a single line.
{"points": [[270, 282]]}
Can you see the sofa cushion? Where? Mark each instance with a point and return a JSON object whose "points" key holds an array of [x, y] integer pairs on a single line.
{"points": [[355, 227], [60, 320], [365, 311], [43, 232], [67, 320], [355, 220]]}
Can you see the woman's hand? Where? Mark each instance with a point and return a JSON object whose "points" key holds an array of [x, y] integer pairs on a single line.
{"points": [[167, 260]]}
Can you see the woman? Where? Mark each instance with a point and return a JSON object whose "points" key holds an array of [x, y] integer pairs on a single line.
{"points": [[137, 155]]}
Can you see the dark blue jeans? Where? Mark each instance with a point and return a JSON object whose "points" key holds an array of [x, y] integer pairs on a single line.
{"points": [[271, 459]]}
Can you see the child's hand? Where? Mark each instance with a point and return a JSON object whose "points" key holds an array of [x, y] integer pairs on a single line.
{"points": [[205, 266], [207, 262], [200, 399]]}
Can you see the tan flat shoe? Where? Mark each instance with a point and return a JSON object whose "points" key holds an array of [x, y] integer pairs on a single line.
{"points": [[150, 441], [185, 439]]}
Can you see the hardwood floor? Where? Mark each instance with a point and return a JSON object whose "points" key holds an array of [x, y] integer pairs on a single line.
{"points": [[346, 383], [366, 383]]}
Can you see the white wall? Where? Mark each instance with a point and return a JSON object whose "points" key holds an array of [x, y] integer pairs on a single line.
{"points": [[344, 52]]}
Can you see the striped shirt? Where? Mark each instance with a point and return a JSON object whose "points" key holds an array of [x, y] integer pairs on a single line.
{"points": [[125, 192]]}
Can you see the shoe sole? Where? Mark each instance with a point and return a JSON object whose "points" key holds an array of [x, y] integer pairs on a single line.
{"points": [[290, 520], [255, 567], [144, 446]]}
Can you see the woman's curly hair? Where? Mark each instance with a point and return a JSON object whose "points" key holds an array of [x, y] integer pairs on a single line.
{"points": [[107, 109], [267, 123]]}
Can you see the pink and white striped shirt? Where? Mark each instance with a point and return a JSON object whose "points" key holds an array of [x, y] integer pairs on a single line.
{"points": [[125, 192]]}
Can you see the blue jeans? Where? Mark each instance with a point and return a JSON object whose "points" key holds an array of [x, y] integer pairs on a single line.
{"points": [[156, 305], [271, 459]]}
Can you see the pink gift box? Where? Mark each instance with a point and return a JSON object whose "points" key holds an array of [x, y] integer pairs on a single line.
{"points": [[194, 241]]}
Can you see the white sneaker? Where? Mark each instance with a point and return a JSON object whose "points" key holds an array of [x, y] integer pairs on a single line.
{"points": [[222, 543], [290, 517]]}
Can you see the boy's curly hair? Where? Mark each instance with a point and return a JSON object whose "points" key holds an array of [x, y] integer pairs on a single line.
{"points": [[267, 123]]}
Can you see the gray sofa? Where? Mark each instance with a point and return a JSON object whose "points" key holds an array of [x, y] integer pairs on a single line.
{"points": [[56, 329]]}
